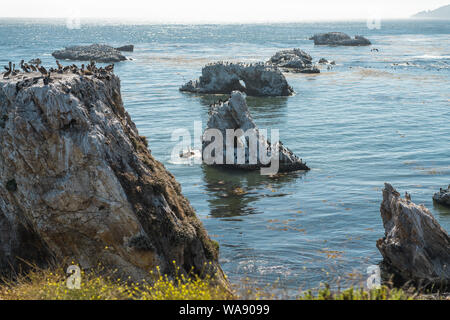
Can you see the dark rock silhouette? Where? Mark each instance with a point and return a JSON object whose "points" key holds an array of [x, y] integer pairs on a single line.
{"points": [[415, 247]]}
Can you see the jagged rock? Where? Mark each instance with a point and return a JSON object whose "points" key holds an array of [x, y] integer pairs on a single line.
{"points": [[339, 39], [254, 79], [294, 60], [77, 182], [127, 48], [234, 114], [443, 196], [95, 52], [415, 246]]}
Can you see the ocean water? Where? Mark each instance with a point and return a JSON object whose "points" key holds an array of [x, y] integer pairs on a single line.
{"points": [[375, 117]]}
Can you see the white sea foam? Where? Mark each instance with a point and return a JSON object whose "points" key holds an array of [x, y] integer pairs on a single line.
{"points": [[431, 57]]}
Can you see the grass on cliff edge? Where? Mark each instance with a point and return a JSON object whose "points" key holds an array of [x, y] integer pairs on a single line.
{"points": [[52, 285]]}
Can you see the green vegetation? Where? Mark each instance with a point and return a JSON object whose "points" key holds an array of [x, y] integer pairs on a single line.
{"points": [[52, 285]]}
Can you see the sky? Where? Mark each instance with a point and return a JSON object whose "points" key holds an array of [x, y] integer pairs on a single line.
{"points": [[214, 11]]}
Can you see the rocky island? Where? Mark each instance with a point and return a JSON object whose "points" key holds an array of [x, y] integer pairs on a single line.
{"points": [[78, 182], [443, 196], [234, 114], [295, 60], [339, 39], [258, 79], [94, 52], [415, 247]]}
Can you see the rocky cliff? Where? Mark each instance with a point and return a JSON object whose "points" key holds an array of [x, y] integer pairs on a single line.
{"points": [[77, 182], [254, 79], [415, 246]]}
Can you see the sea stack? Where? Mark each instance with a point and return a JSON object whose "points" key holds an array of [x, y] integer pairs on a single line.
{"points": [[77, 182], [339, 39], [415, 247], [257, 79], [234, 115], [443, 197], [295, 60]]}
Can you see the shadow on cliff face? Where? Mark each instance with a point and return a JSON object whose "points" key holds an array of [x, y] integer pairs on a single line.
{"points": [[232, 192]]}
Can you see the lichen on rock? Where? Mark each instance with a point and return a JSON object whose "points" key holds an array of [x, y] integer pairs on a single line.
{"points": [[78, 182]]}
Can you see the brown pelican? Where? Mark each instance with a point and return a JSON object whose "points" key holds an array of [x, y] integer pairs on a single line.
{"points": [[407, 196], [60, 67], [43, 70], [7, 73]]}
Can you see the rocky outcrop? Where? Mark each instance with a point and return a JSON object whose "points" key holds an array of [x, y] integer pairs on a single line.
{"points": [[443, 197], [339, 39], [415, 246], [77, 182], [294, 60], [95, 52], [127, 48], [234, 114], [325, 61], [254, 79]]}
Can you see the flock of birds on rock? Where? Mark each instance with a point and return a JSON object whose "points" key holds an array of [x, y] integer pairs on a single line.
{"points": [[35, 66]]}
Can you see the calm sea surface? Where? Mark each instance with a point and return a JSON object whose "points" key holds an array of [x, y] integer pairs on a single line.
{"points": [[374, 118]]}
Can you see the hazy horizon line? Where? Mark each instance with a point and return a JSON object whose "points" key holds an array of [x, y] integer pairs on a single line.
{"points": [[144, 20]]}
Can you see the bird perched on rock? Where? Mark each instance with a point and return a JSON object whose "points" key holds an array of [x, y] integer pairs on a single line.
{"points": [[60, 66], [42, 70], [407, 196], [9, 70], [109, 68]]}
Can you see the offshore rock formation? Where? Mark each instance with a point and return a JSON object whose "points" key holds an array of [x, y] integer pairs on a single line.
{"points": [[294, 60], [95, 52], [234, 114], [325, 61], [443, 196], [254, 79], [339, 39], [127, 48], [415, 246], [77, 182]]}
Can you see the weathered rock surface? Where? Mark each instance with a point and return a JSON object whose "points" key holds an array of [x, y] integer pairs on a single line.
{"points": [[234, 114], [95, 52], [443, 196], [339, 39], [415, 246], [254, 79], [77, 182], [294, 60], [127, 48]]}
